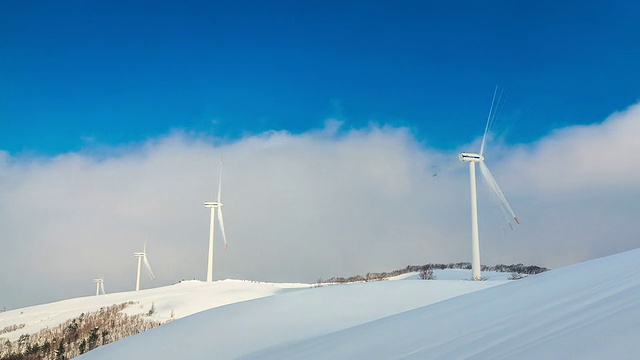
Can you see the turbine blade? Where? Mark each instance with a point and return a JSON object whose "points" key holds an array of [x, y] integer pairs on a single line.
{"points": [[102, 287], [489, 120], [148, 266], [220, 182], [497, 193], [224, 237]]}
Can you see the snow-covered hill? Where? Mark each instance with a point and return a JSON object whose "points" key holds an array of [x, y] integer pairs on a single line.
{"points": [[169, 302], [190, 297], [241, 328], [585, 311]]}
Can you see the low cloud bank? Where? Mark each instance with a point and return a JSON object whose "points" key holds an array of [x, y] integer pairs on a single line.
{"points": [[324, 203]]}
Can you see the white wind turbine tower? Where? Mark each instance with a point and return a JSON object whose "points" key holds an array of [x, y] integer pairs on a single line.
{"points": [[99, 286], [213, 205], [142, 256], [472, 159]]}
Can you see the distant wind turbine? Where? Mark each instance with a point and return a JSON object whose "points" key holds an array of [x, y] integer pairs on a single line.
{"points": [[142, 256], [99, 286], [472, 159], [213, 205]]}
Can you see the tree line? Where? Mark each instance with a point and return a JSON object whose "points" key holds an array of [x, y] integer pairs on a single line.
{"points": [[513, 269]]}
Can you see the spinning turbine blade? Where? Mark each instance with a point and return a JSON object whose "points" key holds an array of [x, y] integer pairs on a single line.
{"points": [[102, 287], [146, 263], [496, 192], [489, 121], [224, 237]]}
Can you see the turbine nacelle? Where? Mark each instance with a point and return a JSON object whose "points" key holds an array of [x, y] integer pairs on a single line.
{"points": [[470, 157], [212, 204]]}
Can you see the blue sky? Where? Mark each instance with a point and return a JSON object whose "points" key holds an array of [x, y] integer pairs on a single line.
{"points": [[74, 74]]}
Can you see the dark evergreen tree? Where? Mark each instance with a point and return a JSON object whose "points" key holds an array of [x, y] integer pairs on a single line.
{"points": [[60, 351], [46, 347], [93, 338], [105, 337]]}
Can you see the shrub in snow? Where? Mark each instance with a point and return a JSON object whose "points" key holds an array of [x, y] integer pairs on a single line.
{"points": [[426, 273], [516, 276], [152, 310]]}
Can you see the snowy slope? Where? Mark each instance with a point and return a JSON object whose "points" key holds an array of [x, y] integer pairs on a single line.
{"points": [[170, 302], [182, 299], [238, 329], [585, 311]]}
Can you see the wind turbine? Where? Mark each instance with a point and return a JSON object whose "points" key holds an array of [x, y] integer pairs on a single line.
{"points": [[213, 205], [142, 256], [99, 286], [472, 159]]}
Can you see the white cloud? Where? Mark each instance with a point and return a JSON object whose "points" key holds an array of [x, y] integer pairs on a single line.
{"points": [[324, 203], [579, 158]]}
